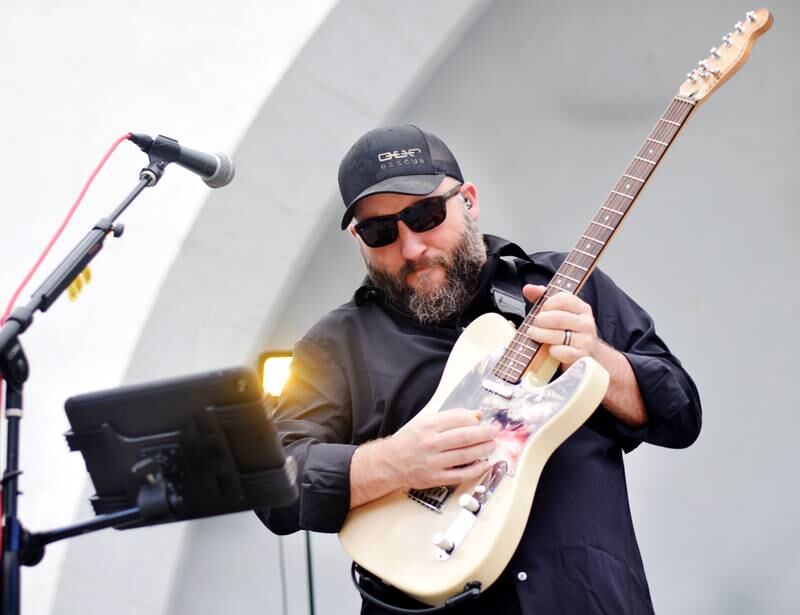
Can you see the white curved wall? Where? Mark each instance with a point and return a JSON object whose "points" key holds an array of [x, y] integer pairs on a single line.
{"points": [[74, 77], [528, 96]]}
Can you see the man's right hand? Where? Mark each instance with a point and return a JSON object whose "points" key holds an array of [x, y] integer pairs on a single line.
{"points": [[444, 448]]}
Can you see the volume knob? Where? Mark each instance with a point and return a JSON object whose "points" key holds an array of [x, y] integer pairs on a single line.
{"points": [[470, 503], [441, 540]]}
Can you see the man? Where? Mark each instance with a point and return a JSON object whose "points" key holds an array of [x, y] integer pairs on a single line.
{"points": [[363, 371]]}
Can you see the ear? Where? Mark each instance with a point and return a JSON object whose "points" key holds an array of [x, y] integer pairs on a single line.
{"points": [[470, 194], [351, 228]]}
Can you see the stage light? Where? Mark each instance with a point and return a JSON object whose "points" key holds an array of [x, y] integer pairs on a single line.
{"points": [[274, 367]]}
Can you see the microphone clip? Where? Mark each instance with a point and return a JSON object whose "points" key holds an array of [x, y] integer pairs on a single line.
{"points": [[161, 151]]}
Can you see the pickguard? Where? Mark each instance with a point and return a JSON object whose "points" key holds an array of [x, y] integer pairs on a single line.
{"points": [[520, 415]]}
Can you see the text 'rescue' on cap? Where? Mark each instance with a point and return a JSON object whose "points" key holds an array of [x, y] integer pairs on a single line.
{"points": [[399, 159]]}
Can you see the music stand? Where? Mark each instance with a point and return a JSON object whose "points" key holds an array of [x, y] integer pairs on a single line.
{"points": [[173, 450]]}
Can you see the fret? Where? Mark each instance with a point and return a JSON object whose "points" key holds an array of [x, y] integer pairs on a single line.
{"points": [[523, 344], [522, 354], [521, 350], [638, 179], [507, 370], [525, 363], [627, 196], [502, 366], [504, 374], [562, 275]]}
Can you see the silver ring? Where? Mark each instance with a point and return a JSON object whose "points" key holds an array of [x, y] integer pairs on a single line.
{"points": [[567, 337]]}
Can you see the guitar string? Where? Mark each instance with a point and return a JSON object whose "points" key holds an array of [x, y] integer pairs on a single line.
{"points": [[652, 149]]}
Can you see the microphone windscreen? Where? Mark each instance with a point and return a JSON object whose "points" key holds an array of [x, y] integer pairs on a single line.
{"points": [[224, 173]]}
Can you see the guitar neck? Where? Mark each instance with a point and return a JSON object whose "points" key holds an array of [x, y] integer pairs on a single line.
{"points": [[583, 257]]}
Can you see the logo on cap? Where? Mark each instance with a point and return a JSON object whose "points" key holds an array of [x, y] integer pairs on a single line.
{"points": [[403, 153]]}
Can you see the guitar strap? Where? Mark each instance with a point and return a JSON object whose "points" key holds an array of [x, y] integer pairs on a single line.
{"points": [[506, 289]]}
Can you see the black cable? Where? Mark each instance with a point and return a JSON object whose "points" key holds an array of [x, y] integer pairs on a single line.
{"points": [[471, 590]]}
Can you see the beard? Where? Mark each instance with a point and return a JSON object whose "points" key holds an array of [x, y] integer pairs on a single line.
{"points": [[430, 303]]}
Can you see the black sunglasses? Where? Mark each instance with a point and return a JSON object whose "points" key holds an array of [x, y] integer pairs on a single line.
{"points": [[421, 216]]}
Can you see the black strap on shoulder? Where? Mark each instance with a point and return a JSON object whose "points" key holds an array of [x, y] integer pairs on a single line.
{"points": [[471, 590], [507, 291]]}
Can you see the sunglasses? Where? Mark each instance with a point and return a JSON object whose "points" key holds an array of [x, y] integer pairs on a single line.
{"points": [[421, 216]]}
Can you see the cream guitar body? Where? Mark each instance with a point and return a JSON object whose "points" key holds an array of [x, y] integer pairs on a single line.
{"points": [[431, 543]]}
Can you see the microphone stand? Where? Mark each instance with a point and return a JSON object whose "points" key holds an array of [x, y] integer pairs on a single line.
{"points": [[14, 368]]}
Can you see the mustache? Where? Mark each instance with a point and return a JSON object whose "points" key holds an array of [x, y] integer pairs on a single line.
{"points": [[410, 267]]}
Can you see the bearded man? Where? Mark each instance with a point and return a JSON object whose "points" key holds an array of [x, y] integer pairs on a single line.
{"points": [[363, 371]]}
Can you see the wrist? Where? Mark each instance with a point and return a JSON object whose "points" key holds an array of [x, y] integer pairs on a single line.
{"points": [[372, 472]]}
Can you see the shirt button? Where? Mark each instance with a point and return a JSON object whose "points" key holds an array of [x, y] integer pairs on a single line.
{"points": [[522, 576]]}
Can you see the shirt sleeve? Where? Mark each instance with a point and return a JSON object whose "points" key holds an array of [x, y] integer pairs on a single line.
{"points": [[670, 396], [314, 422]]}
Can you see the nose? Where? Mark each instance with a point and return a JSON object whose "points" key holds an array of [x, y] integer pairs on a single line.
{"points": [[411, 244]]}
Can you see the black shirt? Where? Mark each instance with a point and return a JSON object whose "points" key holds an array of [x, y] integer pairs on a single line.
{"points": [[367, 368]]}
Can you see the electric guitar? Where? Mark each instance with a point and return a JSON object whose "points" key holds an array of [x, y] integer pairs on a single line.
{"points": [[434, 543]]}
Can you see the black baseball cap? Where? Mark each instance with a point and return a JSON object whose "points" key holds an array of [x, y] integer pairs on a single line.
{"points": [[399, 159]]}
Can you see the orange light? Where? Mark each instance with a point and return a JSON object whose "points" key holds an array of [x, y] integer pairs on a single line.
{"points": [[275, 370]]}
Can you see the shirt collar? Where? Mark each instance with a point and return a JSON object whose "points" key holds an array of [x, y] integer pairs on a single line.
{"points": [[495, 248]]}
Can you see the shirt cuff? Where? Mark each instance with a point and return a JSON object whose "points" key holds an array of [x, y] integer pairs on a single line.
{"points": [[664, 399], [325, 489]]}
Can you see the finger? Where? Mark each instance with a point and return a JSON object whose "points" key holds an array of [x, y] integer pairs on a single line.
{"points": [[453, 418], [562, 320], [455, 476], [554, 337], [567, 302], [465, 436], [532, 292], [582, 342], [468, 454]]}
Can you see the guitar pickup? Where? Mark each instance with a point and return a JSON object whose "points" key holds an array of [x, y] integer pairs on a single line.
{"points": [[498, 388]]}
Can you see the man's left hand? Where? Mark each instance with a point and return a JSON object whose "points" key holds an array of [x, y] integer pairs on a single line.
{"points": [[566, 323]]}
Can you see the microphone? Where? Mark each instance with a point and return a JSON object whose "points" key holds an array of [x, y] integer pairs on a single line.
{"points": [[216, 170]]}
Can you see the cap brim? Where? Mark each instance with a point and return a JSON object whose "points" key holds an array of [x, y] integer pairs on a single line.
{"points": [[403, 184]]}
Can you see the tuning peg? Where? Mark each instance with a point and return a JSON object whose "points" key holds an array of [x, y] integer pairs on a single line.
{"points": [[715, 53], [727, 39], [691, 77], [739, 27], [751, 16], [706, 70]]}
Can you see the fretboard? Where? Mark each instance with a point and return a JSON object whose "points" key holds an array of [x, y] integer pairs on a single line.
{"points": [[583, 257]]}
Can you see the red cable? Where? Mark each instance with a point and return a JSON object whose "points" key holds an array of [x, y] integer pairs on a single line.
{"points": [[39, 262], [62, 227]]}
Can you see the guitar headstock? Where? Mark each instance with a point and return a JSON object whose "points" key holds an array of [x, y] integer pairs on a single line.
{"points": [[726, 59]]}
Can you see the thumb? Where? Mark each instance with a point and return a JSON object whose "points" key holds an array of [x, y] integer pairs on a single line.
{"points": [[532, 292]]}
